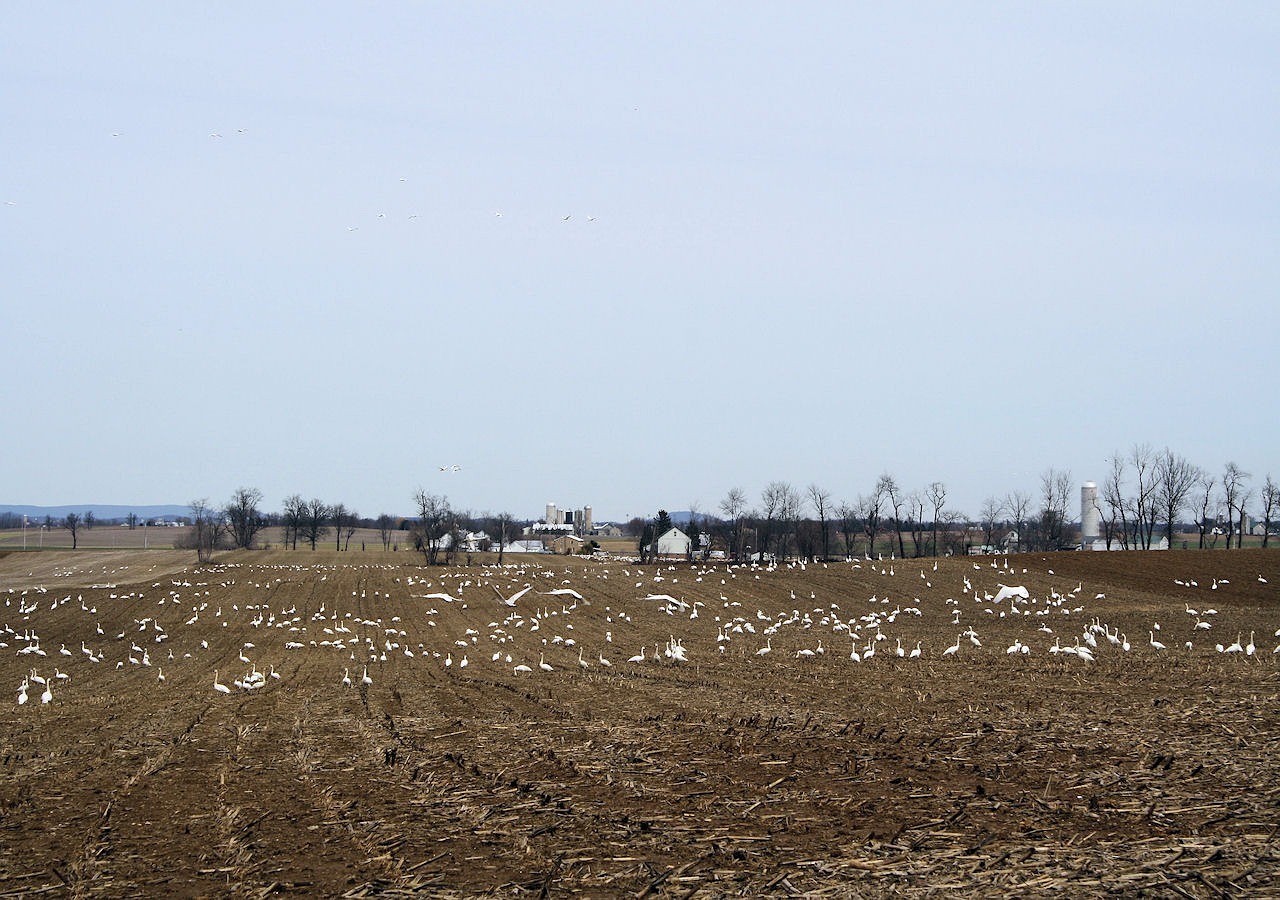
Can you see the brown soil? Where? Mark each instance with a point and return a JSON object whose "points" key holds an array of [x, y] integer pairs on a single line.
{"points": [[732, 773]]}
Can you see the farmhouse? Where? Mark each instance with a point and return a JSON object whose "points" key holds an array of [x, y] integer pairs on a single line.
{"points": [[525, 547], [673, 542], [1117, 544], [567, 544]]}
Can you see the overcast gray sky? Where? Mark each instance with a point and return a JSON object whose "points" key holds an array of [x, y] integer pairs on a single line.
{"points": [[260, 244]]}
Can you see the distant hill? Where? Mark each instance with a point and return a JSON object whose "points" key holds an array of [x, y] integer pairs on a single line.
{"points": [[681, 518], [100, 510]]}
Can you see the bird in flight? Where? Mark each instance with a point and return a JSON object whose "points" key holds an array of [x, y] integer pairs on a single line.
{"points": [[567, 218]]}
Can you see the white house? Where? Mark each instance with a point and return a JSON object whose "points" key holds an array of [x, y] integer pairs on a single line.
{"points": [[1117, 544], [470, 543], [525, 547], [674, 542]]}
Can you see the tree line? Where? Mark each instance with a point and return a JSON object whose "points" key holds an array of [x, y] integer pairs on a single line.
{"points": [[1145, 495], [439, 531]]}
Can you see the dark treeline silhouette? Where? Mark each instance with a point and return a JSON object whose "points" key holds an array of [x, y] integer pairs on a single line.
{"points": [[1145, 496]]}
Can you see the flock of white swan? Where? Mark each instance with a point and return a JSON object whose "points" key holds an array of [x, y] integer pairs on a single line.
{"points": [[511, 618]]}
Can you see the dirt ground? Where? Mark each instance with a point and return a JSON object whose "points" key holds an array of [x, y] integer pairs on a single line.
{"points": [[709, 769]]}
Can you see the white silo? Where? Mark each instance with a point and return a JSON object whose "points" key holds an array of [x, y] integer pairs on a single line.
{"points": [[551, 514], [1090, 515]]}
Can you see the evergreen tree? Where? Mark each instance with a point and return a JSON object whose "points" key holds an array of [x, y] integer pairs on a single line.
{"points": [[664, 524]]}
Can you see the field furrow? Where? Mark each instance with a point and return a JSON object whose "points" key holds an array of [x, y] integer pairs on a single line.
{"points": [[394, 729]]}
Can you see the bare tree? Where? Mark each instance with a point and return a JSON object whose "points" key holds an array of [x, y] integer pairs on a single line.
{"points": [[385, 525], [820, 500], [847, 514], [1175, 477], [243, 518], [955, 532], [1113, 496], [207, 529], [1270, 498], [90, 520], [1233, 492], [916, 505], [1242, 504], [315, 521], [790, 513], [1055, 495], [888, 488], [772, 503], [694, 532], [72, 523], [992, 509], [734, 505], [870, 511], [936, 493], [1144, 504], [456, 536], [434, 521], [1019, 504], [350, 522], [295, 509], [1204, 491], [338, 516], [503, 520]]}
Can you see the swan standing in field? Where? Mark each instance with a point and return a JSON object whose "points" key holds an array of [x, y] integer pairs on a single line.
{"points": [[219, 686], [1154, 643], [638, 658], [543, 664], [767, 648]]}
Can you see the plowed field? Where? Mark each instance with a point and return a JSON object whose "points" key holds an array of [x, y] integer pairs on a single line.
{"points": [[708, 769]]}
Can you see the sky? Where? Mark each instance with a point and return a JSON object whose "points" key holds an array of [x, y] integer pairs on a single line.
{"points": [[631, 255]]}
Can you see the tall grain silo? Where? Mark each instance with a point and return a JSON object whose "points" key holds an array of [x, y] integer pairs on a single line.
{"points": [[1090, 517]]}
